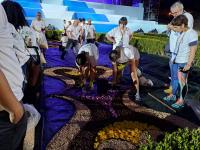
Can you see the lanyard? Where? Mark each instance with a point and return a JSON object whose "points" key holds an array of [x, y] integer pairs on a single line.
{"points": [[178, 42]]}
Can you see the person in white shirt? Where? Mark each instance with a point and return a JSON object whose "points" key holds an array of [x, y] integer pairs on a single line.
{"points": [[86, 60], [65, 24], [25, 39], [83, 26], [38, 25], [63, 40], [90, 33], [13, 121], [120, 57], [185, 50], [64, 37], [120, 37], [176, 9], [73, 32]]}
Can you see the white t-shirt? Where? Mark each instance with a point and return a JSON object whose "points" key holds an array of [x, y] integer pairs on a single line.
{"points": [[12, 70], [64, 40], [174, 35], [19, 47], [28, 34], [66, 25], [128, 53], [38, 25], [184, 42], [75, 32], [91, 49], [121, 38], [89, 31], [190, 19]]}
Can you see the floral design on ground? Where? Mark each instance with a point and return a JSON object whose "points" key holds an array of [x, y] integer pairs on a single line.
{"points": [[133, 132], [70, 75], [68, 132], [104, 100]]}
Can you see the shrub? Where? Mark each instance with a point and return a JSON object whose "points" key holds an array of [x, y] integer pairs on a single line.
{"points": [[57, 34], [150, 45], [183, 139], [49, 34], [53, 34]]}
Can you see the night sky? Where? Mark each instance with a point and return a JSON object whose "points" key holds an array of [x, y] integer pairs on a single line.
{"points": [[192, 6]]}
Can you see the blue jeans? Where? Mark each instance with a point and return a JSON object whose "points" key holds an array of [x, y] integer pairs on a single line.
{"points": [[174, 77], [182, 78]]}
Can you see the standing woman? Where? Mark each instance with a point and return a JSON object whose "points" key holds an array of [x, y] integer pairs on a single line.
{"points": [[120, 37], [13, 121]]}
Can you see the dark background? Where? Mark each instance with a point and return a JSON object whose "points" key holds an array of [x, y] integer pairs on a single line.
{"points": [[192, 6], [163, 7]]}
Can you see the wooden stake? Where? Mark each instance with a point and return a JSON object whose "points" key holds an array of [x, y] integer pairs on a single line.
{"points": [[161, 102]]}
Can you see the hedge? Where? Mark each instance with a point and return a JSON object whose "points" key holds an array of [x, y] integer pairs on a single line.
{"points": [[53, 34], [183, 139], [155, 45], [148, 43]]}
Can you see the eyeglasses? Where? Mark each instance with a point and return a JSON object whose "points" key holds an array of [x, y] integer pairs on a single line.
{"points": [[173, 13]]}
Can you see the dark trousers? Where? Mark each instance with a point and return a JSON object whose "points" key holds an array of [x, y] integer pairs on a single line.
{"points": [[91, 41], [12, 135], [70, 44]]}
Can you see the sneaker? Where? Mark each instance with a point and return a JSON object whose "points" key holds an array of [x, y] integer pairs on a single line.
{"points": [[139, 73], [80, 85], [137, 97], [91, 85], [170, 98], [169, 90], [150, 83], [178, 105]]}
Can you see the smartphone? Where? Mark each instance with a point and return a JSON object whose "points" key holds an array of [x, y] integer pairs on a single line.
{"points": [[181, 69]]}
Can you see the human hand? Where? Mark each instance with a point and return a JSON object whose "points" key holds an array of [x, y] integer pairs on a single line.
{"points": [[170, 26], [17, 114], [186, 67]]}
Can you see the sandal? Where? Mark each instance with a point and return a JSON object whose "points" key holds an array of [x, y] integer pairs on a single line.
{"points": [[177, 106], [170, 98], [138, 98]]}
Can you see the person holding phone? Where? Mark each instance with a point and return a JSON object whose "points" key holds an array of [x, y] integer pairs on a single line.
{"points": [[184, 55]]}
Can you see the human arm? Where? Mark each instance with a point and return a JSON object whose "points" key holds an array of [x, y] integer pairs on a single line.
{"points": [[114, 80], [110, 36], [8, 101], [134, 77], [111, 39], [193, 50]]}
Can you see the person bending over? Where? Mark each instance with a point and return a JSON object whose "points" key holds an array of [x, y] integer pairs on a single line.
{"points": [[120, 57], [86, 60]]}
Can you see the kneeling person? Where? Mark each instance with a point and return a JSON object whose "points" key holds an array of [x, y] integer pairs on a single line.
{"points": [[86, 60]]}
